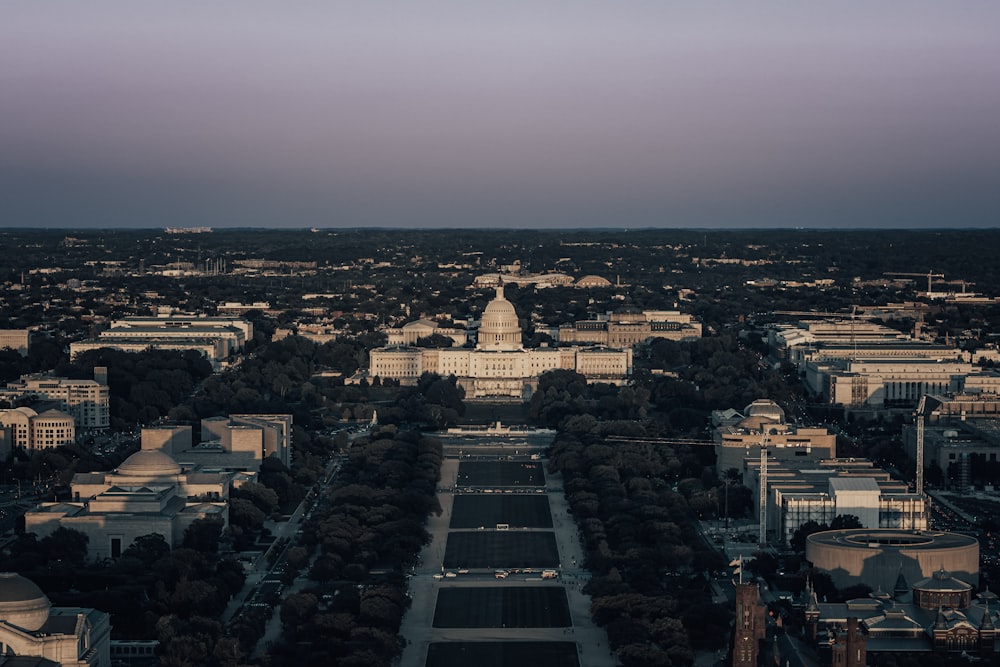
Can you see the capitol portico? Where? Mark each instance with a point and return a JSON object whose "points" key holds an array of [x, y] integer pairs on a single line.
{"points": [[499, 365]]}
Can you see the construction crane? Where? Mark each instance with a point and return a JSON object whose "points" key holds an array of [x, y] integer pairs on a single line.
{"points": [[929, 275], [762, 483], [921, 415], [819, 313], [964, 283]]}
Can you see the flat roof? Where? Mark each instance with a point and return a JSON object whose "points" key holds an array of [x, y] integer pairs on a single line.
{"points": [[885, 538], [854, 484]]}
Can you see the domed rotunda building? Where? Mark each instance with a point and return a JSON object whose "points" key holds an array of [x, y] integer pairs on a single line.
{"points": [[148, 493], [30, 627], [499, 365]]}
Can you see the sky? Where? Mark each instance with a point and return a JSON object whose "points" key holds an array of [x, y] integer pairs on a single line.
{"points": [[524, 114]]}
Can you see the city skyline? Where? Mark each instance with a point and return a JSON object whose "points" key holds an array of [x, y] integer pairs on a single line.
{"points": [[537, 115]]}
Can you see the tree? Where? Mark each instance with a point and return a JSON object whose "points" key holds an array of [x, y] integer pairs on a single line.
{"points": [[296, 609], [798, 540], [844, 521], [435, 340], [244, 514], [203, 535], [147, 549], [265, 499], [65, 545]]}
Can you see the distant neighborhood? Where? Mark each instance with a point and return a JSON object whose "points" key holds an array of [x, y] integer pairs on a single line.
{"points": [[244, 447]]}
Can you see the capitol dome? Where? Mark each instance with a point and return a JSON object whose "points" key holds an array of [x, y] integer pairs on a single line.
{"points": [[499, 327], [22, 603], [149, 463]]}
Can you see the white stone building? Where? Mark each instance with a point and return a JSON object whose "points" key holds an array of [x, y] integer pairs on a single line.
{"points": [[217, 338], [33, 632], [15, 339], [148, 493], [625, 328], [893, 382], [411, 332], [23, 427], [499, 365], [741, 434]]}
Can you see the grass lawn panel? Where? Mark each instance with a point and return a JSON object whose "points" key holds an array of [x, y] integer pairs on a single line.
{"points": [[501, 549], [501, 473], [502, 607], [502, 654], [471, 510]]}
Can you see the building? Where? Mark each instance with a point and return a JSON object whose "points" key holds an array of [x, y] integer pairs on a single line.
{"points": [[15, 339], [800, 340], [34, 633], [23, 427], [238, 308], [176, 320], [867, 366], [87, 401], [217, 338], [592, 281], [16, 429], [537, 280], [411, 332], [891, 383], [750, 625], [741, 435], [799, 491], [148, 493], [938, 615], [960, 430], [52, 428], [628, 327], [258, 436], [877, 557], [499, 365], [237, 443]]}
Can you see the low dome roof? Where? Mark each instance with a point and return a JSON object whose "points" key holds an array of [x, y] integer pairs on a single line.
{"points": [[22, 603], [593, 281], [149, 463], [942, 581]]}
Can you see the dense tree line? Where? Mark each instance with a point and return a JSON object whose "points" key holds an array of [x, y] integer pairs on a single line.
{"points": [[144, 386], [693, 379], [372, 521], [642, 548], [150, 591]]}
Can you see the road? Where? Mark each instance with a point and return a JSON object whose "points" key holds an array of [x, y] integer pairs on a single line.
{"points": [[262, 578]]}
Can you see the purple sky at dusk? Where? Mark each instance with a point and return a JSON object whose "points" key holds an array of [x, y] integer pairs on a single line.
{"points": [[544, 113]]}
